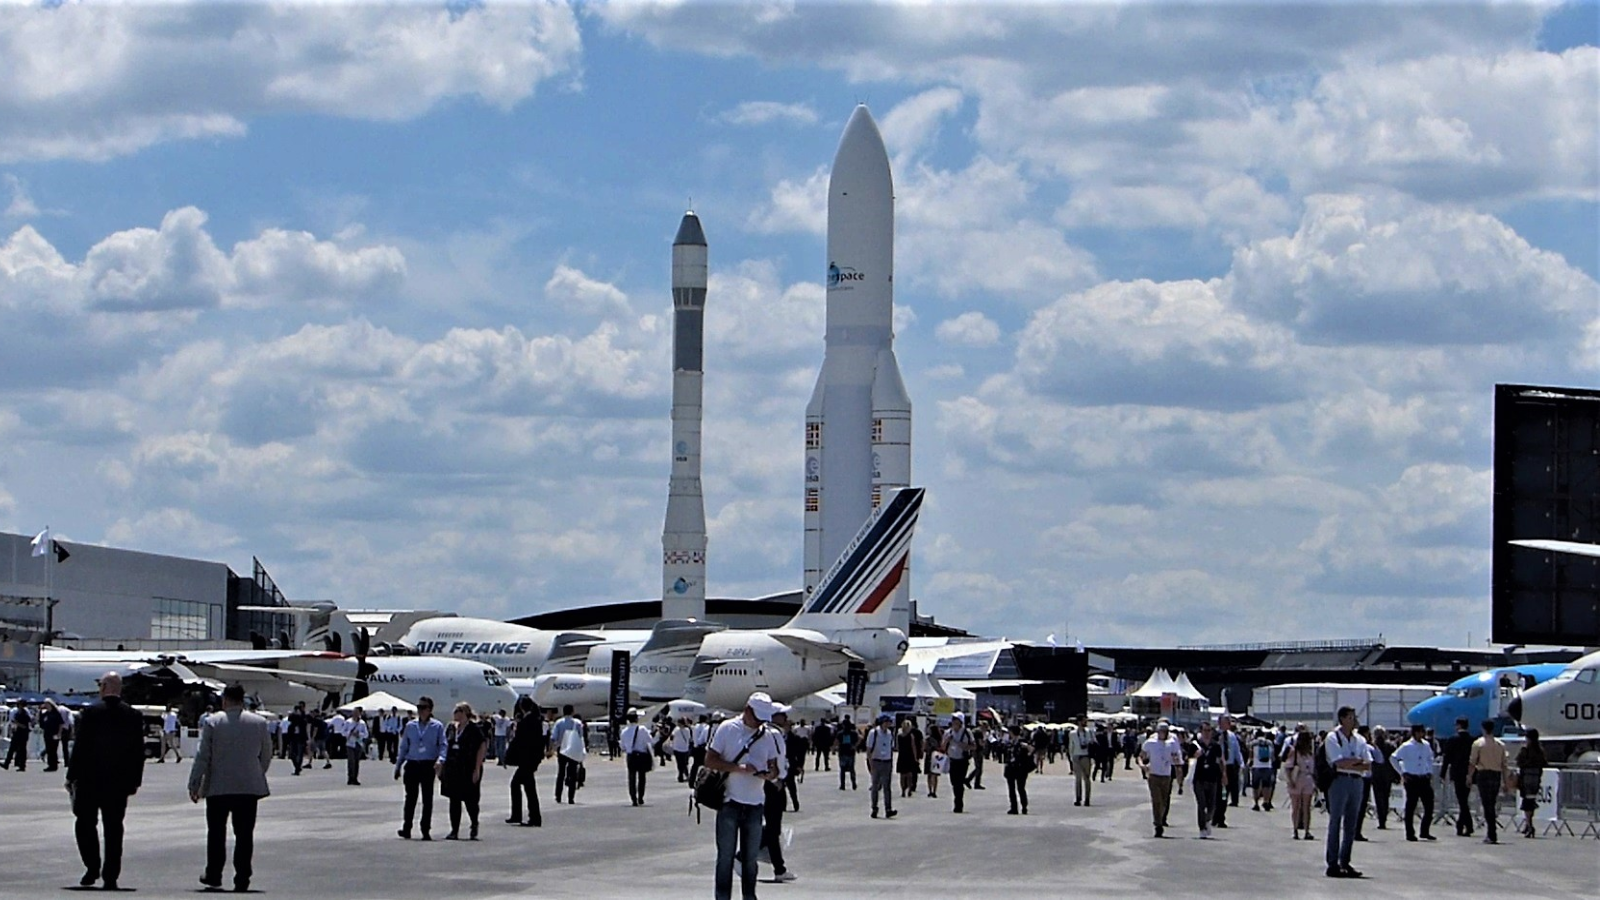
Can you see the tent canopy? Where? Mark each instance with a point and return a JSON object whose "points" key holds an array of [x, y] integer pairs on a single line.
{"points": [[382, 701], [1186, 689], [1157, 684]]}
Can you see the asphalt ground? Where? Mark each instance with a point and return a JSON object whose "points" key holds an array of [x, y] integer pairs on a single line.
{"points": [[317, 837]]}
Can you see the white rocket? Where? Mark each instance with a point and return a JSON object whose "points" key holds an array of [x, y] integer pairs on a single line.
{"points": [[858, 423], [683, 539]]}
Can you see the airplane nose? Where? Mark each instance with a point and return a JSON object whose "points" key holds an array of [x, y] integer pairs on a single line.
{"points": [[1515, 709]]}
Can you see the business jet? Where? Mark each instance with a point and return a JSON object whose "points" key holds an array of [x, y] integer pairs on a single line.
{"points": [[844, 623], [659, 667]]}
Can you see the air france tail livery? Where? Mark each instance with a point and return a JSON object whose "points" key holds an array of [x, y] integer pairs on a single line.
{"points": [[844, 621]]}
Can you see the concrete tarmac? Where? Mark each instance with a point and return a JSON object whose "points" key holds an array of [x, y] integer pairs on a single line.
{"points": [[318, 837]]}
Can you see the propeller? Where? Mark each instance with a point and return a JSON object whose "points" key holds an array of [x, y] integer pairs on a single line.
{"points": [[334, 642], [361, 642]]}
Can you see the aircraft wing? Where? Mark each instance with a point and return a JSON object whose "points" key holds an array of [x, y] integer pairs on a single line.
{"points": [[825, 651], [319, 681], [1573, 547], [989, 684], [189, 676]]}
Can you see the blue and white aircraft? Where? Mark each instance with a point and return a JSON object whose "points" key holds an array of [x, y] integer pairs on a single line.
{"points": [[1481, 696]]}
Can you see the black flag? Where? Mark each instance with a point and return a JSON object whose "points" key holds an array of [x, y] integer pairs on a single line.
{"points": [[61, 552]]}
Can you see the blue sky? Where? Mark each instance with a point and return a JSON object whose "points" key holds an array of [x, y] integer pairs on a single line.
{"points": [[1200, 306]]}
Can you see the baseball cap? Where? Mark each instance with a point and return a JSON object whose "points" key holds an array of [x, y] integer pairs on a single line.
{"points": [[761, 704], [885, 717], [782, 709]]}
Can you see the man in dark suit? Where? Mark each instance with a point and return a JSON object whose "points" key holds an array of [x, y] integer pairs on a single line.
{"points": [[230, 772], [106, 768], [1457, 750]]}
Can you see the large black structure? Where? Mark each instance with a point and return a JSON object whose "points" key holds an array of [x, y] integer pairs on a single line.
{"points": [[1546, 487]]}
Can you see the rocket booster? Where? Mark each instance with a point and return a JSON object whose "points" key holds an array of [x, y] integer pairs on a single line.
{"points": [[683, 539], [858, 422]]}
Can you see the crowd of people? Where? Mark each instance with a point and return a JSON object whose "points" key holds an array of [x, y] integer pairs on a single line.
{"points": [[765, 755], [1344, 771]]}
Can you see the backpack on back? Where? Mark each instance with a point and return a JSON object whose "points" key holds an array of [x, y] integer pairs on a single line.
{"points": [[1323, 770]]}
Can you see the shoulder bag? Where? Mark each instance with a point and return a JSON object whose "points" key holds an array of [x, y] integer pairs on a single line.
{"points": [[711, 787]]}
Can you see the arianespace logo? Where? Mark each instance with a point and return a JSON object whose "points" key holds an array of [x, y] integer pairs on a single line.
{"points": [[842, 276]]}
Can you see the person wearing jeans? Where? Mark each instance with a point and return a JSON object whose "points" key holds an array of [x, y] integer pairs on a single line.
{"points": [[1347, 753], [880, 763], [737, 749]]}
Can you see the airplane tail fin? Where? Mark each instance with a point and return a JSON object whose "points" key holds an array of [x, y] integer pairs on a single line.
{"points": [[661, 666], [855, 592]]}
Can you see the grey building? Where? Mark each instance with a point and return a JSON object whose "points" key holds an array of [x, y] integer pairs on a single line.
{"points": [[101, 597]]}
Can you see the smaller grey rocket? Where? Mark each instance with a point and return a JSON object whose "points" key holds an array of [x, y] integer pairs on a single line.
{"points": [[683, 539]]}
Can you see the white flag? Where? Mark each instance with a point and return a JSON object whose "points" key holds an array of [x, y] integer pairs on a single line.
{"points": [[41, 542]]}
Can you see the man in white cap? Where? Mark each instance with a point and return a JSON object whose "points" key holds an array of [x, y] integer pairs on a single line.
{"points": [[738, 749], [1161, 757]]}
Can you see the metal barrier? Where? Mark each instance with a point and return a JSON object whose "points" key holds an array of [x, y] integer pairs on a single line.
{"points": [[1568, 799]]}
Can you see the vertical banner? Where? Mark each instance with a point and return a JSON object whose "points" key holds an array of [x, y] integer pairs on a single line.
{"points": [[855, 684], [620, 662]]}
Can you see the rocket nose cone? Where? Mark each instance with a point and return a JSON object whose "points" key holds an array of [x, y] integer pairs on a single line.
{"points": [[689, 231], [862, 160], [862, 132]]}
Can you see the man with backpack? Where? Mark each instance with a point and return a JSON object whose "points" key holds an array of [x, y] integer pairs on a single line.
{"points": [[845, 741], [1263, 771], [1347, 759]]}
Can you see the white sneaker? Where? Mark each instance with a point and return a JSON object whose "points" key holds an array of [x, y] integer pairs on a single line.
{"points": [[1205, 834], [785, 877]]}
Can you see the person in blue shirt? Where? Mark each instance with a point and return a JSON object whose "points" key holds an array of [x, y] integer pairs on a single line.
{"points": [[570, 752], [422, 753]]}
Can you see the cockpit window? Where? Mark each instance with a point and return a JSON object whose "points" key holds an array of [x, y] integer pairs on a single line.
{"points": [[493, 678], [1587, 676]]}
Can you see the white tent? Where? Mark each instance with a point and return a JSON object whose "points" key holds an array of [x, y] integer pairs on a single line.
{"points": [[382, 701], [1158, 684], [924, 684], [1186, 689]]}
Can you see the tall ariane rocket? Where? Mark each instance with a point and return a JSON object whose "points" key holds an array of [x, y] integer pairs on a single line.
{"points": [[683, 539], [858, 423]]}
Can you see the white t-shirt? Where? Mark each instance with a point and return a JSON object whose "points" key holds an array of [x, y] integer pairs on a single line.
{"points": [[169, 723], [1164, 755], [502, 725], [730, 738], [880, 746]]}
